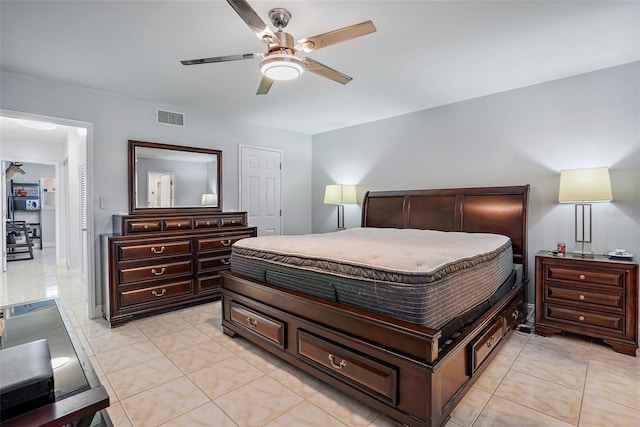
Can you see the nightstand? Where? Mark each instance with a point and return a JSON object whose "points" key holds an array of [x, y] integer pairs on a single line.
{"points": [[597, 297]]}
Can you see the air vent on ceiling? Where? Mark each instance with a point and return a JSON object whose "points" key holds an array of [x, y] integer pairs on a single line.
{"points": [[170, 118]]}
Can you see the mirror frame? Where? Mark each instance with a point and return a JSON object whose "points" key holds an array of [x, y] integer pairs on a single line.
{"points": [[133, 210]]}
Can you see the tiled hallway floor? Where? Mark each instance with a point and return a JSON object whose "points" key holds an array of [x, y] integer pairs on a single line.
{"points": [[178, 369]]}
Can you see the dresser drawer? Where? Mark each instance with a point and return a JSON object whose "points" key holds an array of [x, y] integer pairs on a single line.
{"points": [[206, 222], [154, 250], [558, 293], [220, 242], [176, 224], [581, 275], [155, 271], [487, 342], [144, 226], [155, 293], [213, 263], [362, 372], [232, 221], [208, 282], [584, 317], [259, 324]]}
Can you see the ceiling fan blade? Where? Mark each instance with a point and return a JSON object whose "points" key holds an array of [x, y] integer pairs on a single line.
{"points": [[221, 58], [265, 85], [327, 72], [251, 18], [336, 36]]}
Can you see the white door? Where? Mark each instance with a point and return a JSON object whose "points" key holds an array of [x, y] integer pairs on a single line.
{"points": [[260, 170], [84, 241]]}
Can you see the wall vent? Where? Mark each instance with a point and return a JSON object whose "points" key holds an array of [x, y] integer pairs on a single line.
{"points": [[170, 118]]}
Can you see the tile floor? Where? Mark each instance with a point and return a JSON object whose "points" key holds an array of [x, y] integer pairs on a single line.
{"points": [[178, 369]]}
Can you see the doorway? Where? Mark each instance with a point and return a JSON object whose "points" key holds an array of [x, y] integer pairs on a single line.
{"points": [[260, 175], [33, 146]]}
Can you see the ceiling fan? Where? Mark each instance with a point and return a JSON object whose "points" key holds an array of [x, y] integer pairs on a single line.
{"points": [[280, 62]]}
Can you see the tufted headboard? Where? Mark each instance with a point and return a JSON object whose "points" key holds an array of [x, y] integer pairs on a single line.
{"points": [[500, 210]]}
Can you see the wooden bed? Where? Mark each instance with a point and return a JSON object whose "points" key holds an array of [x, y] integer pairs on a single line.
{"points": [[396, 367]]}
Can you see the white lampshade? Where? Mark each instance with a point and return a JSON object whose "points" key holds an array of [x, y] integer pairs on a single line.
{"points": [[585, 185], [208, 199], [340, 194]]}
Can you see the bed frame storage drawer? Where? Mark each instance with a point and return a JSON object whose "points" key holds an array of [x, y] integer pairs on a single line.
{"points": [[487, 342], [270, 329], [155, 293], [377, 379]]}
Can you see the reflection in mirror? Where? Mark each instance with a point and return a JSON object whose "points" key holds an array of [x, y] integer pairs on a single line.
{"points": [[173, 178]]}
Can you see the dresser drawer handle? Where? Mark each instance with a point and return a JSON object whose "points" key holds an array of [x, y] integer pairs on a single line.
{"points": [[581, 318], [157, 273], [252, 322], [179, 225], [582, 277], [225, 261], [207, 223], [159, 294], [146, 227], [225, 242], [337, 366], [156, 251], [581, 297]]}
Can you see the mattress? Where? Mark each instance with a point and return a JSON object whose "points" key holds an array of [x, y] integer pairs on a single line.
{"points": [[425, 277]]}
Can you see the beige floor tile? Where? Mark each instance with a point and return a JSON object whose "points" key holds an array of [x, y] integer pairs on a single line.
{"points": [[135, 354], [206, 354], [300, 382], [116, 339], [615, 381], [491, 377], [344, 408], [118, 416], [500, 412], [305, 415], [543, 396], [466, 412], [225, 376], [598, 412], [258, 402], [163, 403], [176, 341], [384, 421], [158, 326], [207, 415], [511, 349], [133, 380]]}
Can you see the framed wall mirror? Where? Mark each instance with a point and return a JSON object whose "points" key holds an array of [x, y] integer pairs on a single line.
{"points": [[166, 178]]}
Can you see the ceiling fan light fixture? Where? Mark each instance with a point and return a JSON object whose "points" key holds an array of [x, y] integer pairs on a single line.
{"points": [[281, 67]]}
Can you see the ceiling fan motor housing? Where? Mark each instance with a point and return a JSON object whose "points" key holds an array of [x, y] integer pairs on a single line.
{"points": [[279, 17]]}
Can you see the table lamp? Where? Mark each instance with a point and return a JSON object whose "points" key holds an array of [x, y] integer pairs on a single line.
{"points": [[340, 194]]}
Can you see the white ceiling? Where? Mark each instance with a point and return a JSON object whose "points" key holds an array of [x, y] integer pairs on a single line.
{"points": [[424, 54]]}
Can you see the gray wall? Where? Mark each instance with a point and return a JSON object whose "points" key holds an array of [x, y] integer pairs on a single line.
{"points": [[117, 119], [524, 136]]}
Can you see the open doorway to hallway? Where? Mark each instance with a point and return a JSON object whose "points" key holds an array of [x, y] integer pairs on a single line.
{"points": [[65, 148]]}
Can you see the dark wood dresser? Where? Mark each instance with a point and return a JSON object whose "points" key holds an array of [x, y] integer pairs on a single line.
{"points": [[596, 296], [155, 263]]}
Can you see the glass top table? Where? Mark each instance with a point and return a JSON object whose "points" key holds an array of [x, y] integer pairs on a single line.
{"points": [[78, 392]]}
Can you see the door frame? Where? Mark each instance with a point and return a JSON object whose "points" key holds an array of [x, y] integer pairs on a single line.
{"points": [[255, 147], [89, 141]]}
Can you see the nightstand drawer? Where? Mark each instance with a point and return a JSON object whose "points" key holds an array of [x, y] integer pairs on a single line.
{"points": [[583, 317], [582, 275], [584, 296]]}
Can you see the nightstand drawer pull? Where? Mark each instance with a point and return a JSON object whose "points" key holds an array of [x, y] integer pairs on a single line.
{"points": [[157, 273], [581, 297], [581, 318], [156, 251], [335, 365], [582, 277], [159, 294], [146, 227]]}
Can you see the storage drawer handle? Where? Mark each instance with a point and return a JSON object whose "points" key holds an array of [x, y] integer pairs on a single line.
{"points": [[515, 314], [225, 261], [157, 273], [581, 318], [252, 322], [156, 251], [225, 242], [491, 341], [581, 297], [159, 294], [337, 366], [582, 277]]}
